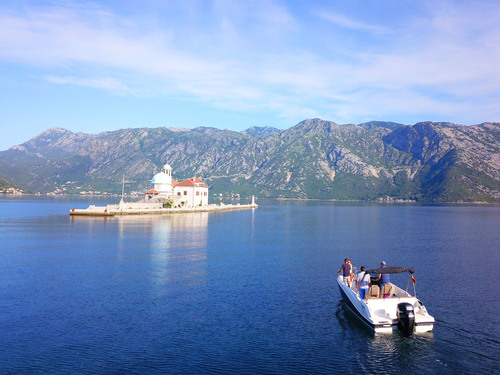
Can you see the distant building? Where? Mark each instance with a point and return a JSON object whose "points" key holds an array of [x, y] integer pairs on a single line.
{"points": [[188, 193], [192, 191]]}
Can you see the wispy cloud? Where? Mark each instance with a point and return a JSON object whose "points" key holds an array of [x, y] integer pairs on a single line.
{"points": [[102, 83], [251, 58], [353, 24]]}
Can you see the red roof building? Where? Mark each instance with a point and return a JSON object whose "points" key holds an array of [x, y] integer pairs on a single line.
{"points": [[193, 191]]}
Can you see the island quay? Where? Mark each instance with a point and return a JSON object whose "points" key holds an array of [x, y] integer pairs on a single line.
{"points": [[167, 196], [124, 208]]}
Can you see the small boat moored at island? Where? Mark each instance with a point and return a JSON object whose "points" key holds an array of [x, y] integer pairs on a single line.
{"points": [[390, 308]]}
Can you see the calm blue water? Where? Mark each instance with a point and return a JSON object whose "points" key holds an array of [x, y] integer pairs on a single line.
{"points": [[244, 292]]}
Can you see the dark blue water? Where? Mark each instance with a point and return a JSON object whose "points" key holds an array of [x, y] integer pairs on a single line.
{"points": [[243, 292]]}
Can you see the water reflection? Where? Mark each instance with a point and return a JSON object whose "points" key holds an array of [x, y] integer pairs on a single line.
{"points": [[176, 244], [385, 352], [190, 229]]}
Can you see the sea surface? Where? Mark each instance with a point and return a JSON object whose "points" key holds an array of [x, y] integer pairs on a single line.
{"points": [[241, 292]]}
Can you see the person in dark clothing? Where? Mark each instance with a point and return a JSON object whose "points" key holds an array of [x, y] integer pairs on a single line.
{"points": [[383, 278], [346, 272]]}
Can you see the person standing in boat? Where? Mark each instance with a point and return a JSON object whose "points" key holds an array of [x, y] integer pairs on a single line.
{"points": [[383, 278], [345, 268], [352, 275], [362, 282]]}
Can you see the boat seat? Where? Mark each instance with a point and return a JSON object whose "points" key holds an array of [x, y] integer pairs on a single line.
{"points": [[386, 291], [373, 292]]}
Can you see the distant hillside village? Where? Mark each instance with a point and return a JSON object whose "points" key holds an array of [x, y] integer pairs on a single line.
{"points": [[12, 190], [7, 188], [171, 193]]}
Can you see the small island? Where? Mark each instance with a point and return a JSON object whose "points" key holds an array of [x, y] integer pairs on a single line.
{"points": [[166, 196]]}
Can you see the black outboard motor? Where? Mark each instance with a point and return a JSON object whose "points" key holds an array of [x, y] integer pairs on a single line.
{"points": [[406, 318]]}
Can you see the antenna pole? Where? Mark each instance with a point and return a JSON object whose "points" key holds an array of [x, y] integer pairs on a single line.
{"points": [[123, 185]]}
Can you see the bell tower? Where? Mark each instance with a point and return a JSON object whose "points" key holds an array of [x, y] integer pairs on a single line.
{"points": [[167, 169]]}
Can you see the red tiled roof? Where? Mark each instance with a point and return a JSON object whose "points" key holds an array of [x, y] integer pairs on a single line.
{"points": [[192, 182], [175, 182], [152, 191], [188, 182]]}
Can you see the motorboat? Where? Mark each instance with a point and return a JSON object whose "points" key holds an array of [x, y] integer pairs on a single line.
{"points": [[390, 308]]}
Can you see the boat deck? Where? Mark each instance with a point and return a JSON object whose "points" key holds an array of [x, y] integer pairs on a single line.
{"points": [[379, 308]]}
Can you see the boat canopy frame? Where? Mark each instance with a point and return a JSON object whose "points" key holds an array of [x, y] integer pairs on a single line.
{"points": [[392, 270]]}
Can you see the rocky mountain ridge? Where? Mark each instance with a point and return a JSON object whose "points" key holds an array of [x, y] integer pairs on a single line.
{"points": [[313, 159]]}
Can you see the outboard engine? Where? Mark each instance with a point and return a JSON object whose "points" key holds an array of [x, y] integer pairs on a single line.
{"points": [[406, 318]]}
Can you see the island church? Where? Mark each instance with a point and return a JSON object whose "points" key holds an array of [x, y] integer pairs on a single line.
{"points": [[188, 193]]}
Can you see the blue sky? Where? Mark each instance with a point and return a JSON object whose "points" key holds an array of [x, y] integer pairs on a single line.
{"points": [[106, 65]]}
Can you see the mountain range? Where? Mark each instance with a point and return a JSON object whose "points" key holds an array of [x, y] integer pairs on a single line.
{"points": [[428, 161]]}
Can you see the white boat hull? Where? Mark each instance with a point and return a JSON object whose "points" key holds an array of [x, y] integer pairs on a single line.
{"points": [[380, 314]]}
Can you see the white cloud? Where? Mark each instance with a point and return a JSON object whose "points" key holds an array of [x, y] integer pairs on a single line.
{"points": [[353, 24], [252, 57], [104, 83]]}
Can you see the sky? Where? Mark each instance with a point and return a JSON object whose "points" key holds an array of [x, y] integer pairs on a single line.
{"points": [[106, 65]]}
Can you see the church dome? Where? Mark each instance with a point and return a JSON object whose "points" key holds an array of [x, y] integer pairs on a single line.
{"points": [[161, 178], [162, 181]]}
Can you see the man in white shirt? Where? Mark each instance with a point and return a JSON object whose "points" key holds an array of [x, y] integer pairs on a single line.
{"points": [[362, 282]]}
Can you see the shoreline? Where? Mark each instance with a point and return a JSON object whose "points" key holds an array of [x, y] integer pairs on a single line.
{"points": [[414, 202]]}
